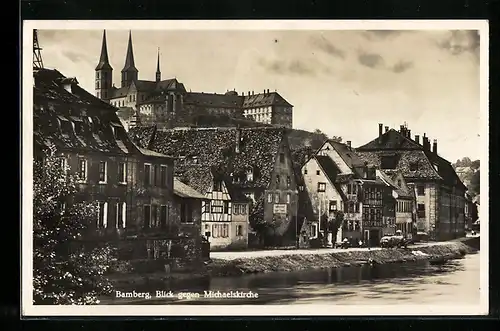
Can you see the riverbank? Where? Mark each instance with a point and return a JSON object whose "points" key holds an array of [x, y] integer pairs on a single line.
{"points": [[231, 264], [288, 261]]}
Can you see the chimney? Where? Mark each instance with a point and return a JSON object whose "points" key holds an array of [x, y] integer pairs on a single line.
{"points": [[401, 128], [417, 139], [348, 143], [252, 93], [380, 125], [386, 129], [267, 91], [248, 93], [408, 133], [435, 146], [264, 92]]}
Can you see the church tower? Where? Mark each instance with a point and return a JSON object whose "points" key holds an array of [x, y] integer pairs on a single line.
{"points": [[158, 72], [129, 71], [103, 73]]}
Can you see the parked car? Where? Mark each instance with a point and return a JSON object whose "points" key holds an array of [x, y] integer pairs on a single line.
{"points": [[393, 241]]}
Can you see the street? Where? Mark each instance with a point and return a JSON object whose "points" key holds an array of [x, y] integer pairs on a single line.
{"points": [[265, 253]]}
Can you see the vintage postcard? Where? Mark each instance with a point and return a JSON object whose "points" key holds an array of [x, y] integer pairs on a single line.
{"points": [[249, 168]]}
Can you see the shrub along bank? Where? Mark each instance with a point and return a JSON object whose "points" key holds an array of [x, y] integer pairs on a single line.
{"points": [[295, 262]]}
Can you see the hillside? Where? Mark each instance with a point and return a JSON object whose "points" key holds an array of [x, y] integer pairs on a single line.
{"points": [[469, 173]]}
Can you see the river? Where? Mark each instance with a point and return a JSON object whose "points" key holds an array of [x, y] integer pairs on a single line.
{"points": [[456, 281]]}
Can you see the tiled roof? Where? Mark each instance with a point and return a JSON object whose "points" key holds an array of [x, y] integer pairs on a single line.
{"points": [[213, 100], [185, 191], [59, 112], [430, 166], [214, 149], [262, 100], [148, 152], [150, 86]]}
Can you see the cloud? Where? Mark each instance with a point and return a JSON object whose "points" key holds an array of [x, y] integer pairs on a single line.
{"points": [[75, 57], [381, 34], [296, 67], [371, 60], [461, 41], [401, 66], [324, 45]]}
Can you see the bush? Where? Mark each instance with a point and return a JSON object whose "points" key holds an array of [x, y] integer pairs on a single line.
{"points": [[64, 270]]}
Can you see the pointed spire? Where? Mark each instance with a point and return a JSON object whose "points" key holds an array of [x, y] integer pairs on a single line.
{"points": [[129, 59], [104, 60], [158, 72]]}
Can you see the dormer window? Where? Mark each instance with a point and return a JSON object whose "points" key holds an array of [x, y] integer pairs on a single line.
{"points": [[413, 166], [217, 186], [249, 174]]}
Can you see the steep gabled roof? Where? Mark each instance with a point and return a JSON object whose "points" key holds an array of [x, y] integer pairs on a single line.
{"points": [[391, 139], [429, 164], [58, 112]]}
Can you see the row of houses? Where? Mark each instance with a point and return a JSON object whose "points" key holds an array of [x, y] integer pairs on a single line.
{"points": [[237, 187]]}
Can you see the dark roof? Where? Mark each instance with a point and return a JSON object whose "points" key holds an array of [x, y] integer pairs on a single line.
{"points": [[152, 88], [213, 100], [213, 149], [103, 59], [129, 58], [331, 171], [264, 99], [56, 111], [147, 152], [430, 165], [353, 161]]}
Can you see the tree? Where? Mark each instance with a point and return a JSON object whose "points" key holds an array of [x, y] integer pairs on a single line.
{"points": [[65, 271], [475, 182]]}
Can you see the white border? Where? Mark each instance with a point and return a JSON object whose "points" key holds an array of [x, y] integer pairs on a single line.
{"points": [[29, 310]]}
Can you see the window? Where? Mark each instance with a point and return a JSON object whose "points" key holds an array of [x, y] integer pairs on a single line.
{"points": [[388, 162], [318, 172], [249, 175], [82, 170], [147, 216], [282, 157], [243, 209], [314, 232], [236, 209], [156, 175], [186, 213], [421, 190], [78, 128], [122, 173], [305, 171], [163, 176], [239, 230], [216, 207], [154, 215], [63, 163], [321, 187], [421, 210], [276, 198], [269, 198], [121, 212], [103, 172], [288, 198], [333, 205], [163, 216], [226, 207], [288, 181], [147, 174], [413, 166], [102, 215]]}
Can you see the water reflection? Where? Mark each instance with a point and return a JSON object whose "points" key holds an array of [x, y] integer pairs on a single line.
{"points": [[456, 281]]}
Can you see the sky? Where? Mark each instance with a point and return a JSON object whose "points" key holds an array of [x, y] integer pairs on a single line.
{"points": [[342, 82]]}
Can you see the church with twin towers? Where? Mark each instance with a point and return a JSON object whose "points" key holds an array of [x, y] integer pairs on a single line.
{"points": [[166, 102]]}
